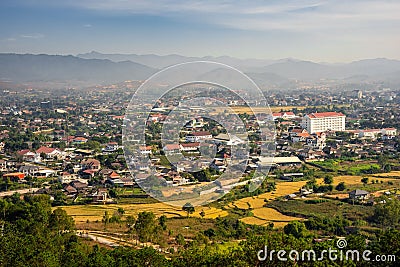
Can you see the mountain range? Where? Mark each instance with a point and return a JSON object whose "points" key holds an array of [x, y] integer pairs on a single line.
{"points": [[97, 68]]}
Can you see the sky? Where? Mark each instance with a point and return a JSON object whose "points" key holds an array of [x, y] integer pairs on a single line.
{"points": [[319, 30]]}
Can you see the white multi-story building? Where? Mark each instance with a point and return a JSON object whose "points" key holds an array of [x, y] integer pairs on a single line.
{"points": [[324, 121]]}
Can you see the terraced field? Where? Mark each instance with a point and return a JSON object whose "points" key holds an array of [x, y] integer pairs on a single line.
{"points": [[282, 189], [82, 213]]}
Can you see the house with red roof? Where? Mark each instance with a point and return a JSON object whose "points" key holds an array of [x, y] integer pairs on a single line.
{"points": [[79, 140], [283, 115], [27, 155], [171, 149], [197, 136], [50, 153], [189, 147], [91, 164]]}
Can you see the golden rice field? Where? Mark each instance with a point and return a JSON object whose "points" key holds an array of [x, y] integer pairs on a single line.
{"points": [[82, 213], [257, 221], [282, 189], [262, 215], [270, 214]]}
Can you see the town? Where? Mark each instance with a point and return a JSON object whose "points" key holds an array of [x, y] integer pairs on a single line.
{"points": [[332, 148]]}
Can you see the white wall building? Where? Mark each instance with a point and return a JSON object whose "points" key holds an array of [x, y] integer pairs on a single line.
{"points": [[325, 121], [197, 136]]}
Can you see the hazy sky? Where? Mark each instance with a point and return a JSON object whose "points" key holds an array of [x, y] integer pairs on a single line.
{"points": [[330, 30]]}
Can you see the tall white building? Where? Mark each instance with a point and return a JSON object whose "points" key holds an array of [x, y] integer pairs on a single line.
{"points": [[324, 121]]}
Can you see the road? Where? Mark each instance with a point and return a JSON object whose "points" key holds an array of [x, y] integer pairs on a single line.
{"points": [[20, 191]]}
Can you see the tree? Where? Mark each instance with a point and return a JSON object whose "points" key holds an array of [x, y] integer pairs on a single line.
{"points": [[146, 226], [312, 183], [296, 229], [328, 179], [365, 180], [202, 214], [106, 219], [162, 220], [180, 240], [121, 211], [188, 207], [388, 213], [341, 186], [60, 220]]}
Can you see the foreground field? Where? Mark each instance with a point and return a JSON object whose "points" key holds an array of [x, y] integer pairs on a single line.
{"points": [[83, 213], [261, 214]]}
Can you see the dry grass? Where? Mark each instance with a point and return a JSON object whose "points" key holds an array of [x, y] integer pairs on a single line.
{"points": [[270, 214], [353, 179], [82, 213], [388, 174]]}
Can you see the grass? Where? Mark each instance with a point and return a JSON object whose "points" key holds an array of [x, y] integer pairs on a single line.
{"points": [[330, 208], [393, 174]]}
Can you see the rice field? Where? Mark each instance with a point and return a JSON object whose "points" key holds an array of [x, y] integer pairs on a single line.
{"points": [[263, 215], [82, 213], [270, 214], [282, 189]]}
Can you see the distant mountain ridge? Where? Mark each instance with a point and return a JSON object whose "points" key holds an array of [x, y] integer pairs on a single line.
{"points": [[96, 68], [159, 62], [39, 68], [289, 68]]}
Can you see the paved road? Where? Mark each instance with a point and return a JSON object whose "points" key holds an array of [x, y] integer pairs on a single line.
{"points": [[21, 191]]}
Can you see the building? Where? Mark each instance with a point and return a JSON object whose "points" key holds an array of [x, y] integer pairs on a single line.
{"points": [[171, 149], [197, 136], [50, 153], [267, 162], [324, 121], [283, 115], [189, 147], [359, 194], [385, 133], [3, 165], [91, 164], [30, 170]]}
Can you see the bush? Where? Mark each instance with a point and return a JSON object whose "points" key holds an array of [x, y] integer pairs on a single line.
{"points": [[341, 186], [315, 201]]}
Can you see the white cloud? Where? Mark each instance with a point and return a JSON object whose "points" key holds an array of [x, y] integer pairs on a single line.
{"points": [[287, 15], [32, 36]]}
